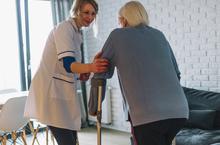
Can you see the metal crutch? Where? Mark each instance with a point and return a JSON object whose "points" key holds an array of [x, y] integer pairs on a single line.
{"points": [[99, 113]]}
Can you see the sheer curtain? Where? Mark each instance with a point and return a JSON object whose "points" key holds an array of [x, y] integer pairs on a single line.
{"points": [[60, 9], [60, 12]]}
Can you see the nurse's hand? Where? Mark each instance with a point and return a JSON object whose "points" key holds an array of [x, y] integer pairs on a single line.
{"points": [[84, 76], [99, 65]]}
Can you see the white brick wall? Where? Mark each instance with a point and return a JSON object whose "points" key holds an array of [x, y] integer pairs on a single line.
{"points": [[193, 30]]}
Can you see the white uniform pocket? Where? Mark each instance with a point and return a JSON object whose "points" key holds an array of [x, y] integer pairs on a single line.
{"points": [[63, 87]]}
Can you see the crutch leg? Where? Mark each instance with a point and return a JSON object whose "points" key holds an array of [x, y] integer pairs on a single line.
{"points": [[99, 115]]}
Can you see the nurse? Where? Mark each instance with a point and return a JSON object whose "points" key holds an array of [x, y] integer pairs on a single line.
{"points": [[52, 98]]}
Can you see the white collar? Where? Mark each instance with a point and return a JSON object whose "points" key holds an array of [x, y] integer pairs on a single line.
{"points": [[73, 22]]}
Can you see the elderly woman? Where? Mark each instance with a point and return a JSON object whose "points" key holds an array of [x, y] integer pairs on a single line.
{"points": [[148, 76]]}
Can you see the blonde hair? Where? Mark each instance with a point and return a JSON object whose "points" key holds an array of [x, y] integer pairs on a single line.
{"points": [[135, 13], [77, 5]]}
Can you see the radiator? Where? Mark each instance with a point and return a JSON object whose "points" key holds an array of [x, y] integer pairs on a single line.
{"points": [[106, 107]]}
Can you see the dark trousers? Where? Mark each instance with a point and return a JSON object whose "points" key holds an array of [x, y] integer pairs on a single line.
{"points": [[64, 136], [159, 132]]}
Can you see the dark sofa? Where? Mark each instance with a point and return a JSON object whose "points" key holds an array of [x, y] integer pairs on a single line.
{"points": [[203, 126]]}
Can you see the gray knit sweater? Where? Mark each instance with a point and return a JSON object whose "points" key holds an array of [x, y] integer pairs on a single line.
{"points": [[147, 72]]}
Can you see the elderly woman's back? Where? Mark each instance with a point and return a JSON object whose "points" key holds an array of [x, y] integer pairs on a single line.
{"points": [[147, 74]]}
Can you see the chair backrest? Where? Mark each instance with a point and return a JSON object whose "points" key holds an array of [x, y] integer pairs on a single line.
{"points": [[12, 114], [11, 90]]}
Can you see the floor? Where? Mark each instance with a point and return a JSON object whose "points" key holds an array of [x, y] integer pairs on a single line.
{"points": [[88, 136], [109, 137]]}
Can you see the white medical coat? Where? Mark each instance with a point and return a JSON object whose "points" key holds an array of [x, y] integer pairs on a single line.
{"points": [[52, 98]]}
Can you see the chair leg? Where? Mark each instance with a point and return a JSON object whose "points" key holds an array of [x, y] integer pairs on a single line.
{"points": [[4, 141], [31, 127], [51, 136], [23, 137], [35, 135], [1, 139], [14, 137], [34, 132]]}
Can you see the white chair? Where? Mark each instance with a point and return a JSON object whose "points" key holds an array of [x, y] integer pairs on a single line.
{"points": [[5, 91], [12, 120]]}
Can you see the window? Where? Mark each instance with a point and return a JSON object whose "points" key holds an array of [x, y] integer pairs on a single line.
{"points": [[41, 23], [25, 29], [9, 50]]}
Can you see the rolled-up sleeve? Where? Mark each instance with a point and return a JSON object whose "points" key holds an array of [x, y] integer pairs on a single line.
{"points": [[64, 40], [99, 79]]}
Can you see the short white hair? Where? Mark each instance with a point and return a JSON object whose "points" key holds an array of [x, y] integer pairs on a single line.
{"points": [[135, 13]]}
